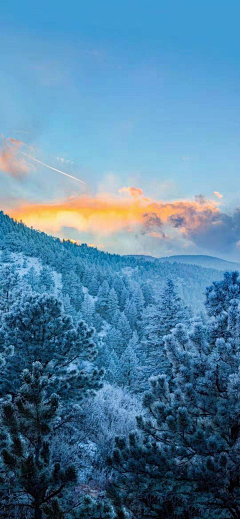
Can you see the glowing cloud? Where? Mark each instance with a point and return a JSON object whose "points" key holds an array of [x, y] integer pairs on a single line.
{"points": [[135, 192], [217, 194], [10, 161], [106, 214]]}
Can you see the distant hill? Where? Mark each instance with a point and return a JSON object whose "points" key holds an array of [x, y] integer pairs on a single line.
{"points": [[203, 261], [200, 260]]}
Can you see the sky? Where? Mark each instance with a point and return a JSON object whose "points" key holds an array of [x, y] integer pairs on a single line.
{"points": [[138, 100]]}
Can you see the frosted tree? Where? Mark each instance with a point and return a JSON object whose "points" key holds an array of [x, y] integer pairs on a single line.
{"points": [[129, 369], [112, 305], [6, 256], [87, 309], [9, 287], [114, 339], [123, 298], [131, 311], [32, 477], [159, 320], [124, 328], [185, 456], [46, 280], [93, 286], [39, 330], [31, 279], [102, 299], [220, 293]]}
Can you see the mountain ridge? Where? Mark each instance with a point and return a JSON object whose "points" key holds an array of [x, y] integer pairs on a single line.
{"points": [[201, 260]]}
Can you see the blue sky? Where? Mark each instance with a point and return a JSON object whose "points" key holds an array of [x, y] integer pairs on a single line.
{"points": [[141, 94]]}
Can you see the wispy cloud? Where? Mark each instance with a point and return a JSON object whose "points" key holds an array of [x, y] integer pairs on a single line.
{"points": [[11, 161], [217, 194]]}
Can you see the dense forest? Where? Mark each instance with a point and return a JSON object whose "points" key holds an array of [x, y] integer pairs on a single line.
{"points": [[119, 386]]}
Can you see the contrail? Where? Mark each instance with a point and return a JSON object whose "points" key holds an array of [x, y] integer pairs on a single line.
{"points": [[50, 167]]}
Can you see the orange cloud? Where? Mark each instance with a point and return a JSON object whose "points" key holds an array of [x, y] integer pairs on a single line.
{"points": [[107, 214], [10, 162], [135, 192], [218, 195]]}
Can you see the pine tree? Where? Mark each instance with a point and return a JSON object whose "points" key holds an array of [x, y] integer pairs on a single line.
{"points": [[46, 280], [102, 299], [131, 311], [6, 256], [124, 328], [33, 477], [123, 298], [9, 288], [114, 340], [87, 309], [129, 369], [220, 293], [112, 305], [184, 460], [159, 320], [32, 279], [39, 330], [93, 286]]}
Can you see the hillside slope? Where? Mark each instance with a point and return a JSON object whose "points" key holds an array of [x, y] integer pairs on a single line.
{"points": [[81, 265]]}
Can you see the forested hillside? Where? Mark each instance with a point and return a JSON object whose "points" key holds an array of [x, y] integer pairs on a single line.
{"points": [[119, 384]]}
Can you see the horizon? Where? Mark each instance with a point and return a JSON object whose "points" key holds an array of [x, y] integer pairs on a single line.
{"points": [[78, 243], [120, 125]]}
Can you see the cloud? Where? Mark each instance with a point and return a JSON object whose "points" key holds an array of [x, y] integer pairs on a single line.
{"points": [[10, 161], [176, 220], [220, 233], [133, 222], [135, 192], [152, 225], [200, 199], [218, 195], [103, 215]]}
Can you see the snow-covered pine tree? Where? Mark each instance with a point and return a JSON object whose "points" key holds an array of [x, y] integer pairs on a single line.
{"points": [[33, 478], [39, 330], [31, 279], [87, 309], [158, 321], [129, 368], [184, 461], [102, 300], [46, 280], [112, 305], [9, 287], [220, 293]]}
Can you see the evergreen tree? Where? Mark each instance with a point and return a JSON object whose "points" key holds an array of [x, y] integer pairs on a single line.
{"points": [[9, 288], [31, 279], [131, 311], [6, 256], [46, 280], [112, 305], [123, 298], [87, 309], [220, 294], [124, 328], [114, 340], [159, 320], [184, 461], [93, 286], [102, 299], [129, 370], [32, 476], [39, 330]]}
